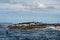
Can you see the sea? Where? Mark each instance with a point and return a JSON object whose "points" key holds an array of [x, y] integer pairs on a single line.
{"points": [[28, 34]]}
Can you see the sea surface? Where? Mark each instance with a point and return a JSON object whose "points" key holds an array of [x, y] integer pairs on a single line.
{"points": [[29, 34]]}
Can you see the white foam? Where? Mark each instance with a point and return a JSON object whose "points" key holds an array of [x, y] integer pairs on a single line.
{"points": [[51, 27]]}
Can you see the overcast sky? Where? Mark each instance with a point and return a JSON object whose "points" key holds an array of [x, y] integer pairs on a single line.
{"points": [[16, 11]]}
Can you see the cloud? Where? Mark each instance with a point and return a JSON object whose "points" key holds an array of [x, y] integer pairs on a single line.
{"points": [[30, 5], [19, 6]]}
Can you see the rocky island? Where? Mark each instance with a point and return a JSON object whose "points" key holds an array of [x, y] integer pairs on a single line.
{"points": [[30, 25]]}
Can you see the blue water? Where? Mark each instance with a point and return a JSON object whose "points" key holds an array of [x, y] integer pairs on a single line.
{"points": [[29, 34]]}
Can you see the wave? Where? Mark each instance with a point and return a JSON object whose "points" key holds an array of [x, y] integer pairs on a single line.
{"points": [[52, 27]]}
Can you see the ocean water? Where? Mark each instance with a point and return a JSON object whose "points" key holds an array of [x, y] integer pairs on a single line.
{"points": [[29, 34]]}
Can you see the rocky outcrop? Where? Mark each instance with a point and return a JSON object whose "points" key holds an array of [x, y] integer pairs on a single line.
{"points": [[30, 25]]}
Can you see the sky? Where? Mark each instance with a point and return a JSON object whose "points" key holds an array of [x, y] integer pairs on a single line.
{"points": [[16, 11]]}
